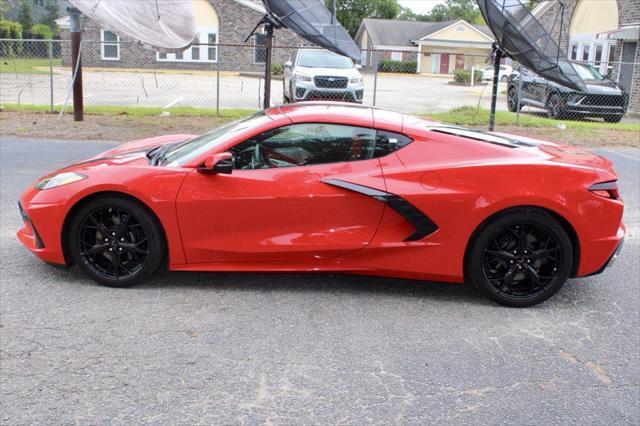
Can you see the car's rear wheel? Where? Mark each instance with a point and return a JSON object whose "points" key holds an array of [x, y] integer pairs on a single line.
{"points": [[521, 258], [612, 118], [116, 241], [555, 106], [285, 98], [512, 99]]}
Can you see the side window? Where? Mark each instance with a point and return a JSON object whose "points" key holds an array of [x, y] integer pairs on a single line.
{"points": [[304, 145], [388, 142]]}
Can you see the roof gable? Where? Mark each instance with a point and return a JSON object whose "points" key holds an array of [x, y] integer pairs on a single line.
{"points": [[460, 31]]}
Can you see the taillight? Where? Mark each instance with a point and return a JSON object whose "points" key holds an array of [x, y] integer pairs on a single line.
{"points": [[606, 189]]}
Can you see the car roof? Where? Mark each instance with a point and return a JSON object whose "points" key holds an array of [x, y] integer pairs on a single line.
{"points": [[340, 113]]}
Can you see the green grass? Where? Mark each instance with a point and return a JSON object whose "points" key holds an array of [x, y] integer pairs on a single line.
{"points": [[26, 66], [471, 116], [136, 111]]}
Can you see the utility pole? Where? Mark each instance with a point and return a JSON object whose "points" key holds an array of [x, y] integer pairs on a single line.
{"points": [[76, 62]]}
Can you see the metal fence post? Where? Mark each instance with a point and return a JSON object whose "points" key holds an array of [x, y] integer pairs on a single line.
{"points": [[375, 78], [51, 73], [218, 81], [519, 97]]}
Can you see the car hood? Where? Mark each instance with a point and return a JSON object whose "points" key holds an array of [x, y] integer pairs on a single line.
{"points": [[604, 87], [129, 153], [335, 72]]}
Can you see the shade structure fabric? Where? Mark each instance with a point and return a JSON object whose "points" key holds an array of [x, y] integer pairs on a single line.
{"points": [[311, 20], [525, 40], [157, 24]]}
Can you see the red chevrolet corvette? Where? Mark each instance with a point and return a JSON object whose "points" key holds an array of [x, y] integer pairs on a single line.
{"points": [[322, 187]]}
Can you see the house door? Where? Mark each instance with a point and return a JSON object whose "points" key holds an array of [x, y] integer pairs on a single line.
{"points": [[444, 63], [627, 58]]}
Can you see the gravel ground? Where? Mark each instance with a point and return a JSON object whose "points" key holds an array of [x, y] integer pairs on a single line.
{"points": [[306, 349]]}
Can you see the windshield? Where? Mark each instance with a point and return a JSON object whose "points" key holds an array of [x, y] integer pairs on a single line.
{"points": [[186, 151], [587, 72], [323, 59]]}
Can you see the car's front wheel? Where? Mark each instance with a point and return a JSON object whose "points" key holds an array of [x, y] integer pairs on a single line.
{"points": [[555, 106], [521, 258], [116, 241], [512, 100]]}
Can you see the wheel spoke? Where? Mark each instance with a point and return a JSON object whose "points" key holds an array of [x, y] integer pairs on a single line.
{"points": [[541, 254], [502, 255], [132, 248], [100, 248], [115, 263], [533, 276]]}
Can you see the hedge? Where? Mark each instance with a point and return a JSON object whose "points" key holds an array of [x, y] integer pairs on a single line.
{"points": [[464, 76], [388, 65]]}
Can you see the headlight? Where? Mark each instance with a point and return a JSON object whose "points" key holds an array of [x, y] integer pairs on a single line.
{"points": [[356, 80], [302, 77], [60, 179]]}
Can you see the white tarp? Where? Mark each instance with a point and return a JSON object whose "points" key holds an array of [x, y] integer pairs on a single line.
{"points": [[158, 24]]}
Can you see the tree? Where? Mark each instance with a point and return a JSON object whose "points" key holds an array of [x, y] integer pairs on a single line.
{"points": [[439, 13], [24, 15], [350, 13], [50, 17], [449, 11]]}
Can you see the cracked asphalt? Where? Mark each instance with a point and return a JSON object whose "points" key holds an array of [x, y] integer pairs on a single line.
{"points": [[306, 349]]}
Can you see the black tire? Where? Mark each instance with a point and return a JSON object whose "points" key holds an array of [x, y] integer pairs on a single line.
{"points": [[285, 98], [116, 241], [555, 106], [612, 118], [512, 99], [505, 259]]}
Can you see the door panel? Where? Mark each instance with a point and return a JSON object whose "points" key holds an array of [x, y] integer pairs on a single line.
{"points": [[278, 213], [444, 63]]}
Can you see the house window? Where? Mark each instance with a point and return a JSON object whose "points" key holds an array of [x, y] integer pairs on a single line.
{"points": [[259, 51], [598, 55], [110, 46], [203, 49], [396, 56], [39, 3], [585, 52], [574, 52]]}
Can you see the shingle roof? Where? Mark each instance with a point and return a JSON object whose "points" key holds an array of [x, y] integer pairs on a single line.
{"points": [[396, 32]]}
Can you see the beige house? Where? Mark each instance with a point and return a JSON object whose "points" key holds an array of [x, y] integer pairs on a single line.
{"points": [[437, 47]]}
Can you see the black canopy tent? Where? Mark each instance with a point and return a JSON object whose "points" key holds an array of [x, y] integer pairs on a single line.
{"points": [[523, 38]]}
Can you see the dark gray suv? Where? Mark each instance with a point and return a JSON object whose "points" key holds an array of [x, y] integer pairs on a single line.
{"points": [[603, 98]]}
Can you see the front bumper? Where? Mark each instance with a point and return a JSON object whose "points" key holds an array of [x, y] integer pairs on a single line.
{"points": [[41, 233], [307, 91]]}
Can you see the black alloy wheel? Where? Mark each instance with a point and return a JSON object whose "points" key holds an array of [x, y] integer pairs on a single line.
{"points": [[521, 259], [555, 106], [116, 241], [512, 99]]}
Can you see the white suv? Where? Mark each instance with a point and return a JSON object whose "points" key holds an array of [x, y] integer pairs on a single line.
{"points": [[314, 74]]}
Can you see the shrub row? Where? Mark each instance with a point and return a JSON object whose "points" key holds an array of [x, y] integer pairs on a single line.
{"points": [[387, 65]]}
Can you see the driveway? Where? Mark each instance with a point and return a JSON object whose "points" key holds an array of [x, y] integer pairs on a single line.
{"points": [[402, 92], [315, 349]]}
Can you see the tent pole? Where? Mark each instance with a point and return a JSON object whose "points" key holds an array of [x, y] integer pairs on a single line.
{"points": [[494, 90], [76, 63], [267, 65]]}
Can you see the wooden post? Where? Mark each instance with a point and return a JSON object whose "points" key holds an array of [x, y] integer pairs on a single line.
{"points": [[76, 63]]}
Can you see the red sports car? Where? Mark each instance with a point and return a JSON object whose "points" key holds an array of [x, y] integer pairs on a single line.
{"points": [[321, 187]]}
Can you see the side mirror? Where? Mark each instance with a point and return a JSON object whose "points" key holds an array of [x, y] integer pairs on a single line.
{"points": [[358, 66], [219, 163], [288, 64]]}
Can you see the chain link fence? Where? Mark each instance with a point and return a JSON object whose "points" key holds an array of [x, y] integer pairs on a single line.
{"points": [[219, 77]]}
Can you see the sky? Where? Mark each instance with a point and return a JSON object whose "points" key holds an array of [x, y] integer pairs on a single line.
{"points": [[420, 6]]}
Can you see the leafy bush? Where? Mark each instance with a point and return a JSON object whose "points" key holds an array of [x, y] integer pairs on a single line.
{"points": [[463, 76], [10, 29], [388, 65], [277, 68], [41, 31]]}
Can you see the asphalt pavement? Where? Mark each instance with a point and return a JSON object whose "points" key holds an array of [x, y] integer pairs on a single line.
{"points": [[306, 349]]}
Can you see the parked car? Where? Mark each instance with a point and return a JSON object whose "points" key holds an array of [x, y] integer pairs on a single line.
{"points": [[334, 187], [503, 75], [604, 98], [313, 74]]}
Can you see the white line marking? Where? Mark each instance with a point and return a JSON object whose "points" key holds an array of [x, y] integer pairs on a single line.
{"points": [[622, 155], [172, 103]]}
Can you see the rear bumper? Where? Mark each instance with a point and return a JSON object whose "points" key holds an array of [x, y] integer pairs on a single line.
{"points": [[606, 249]]}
